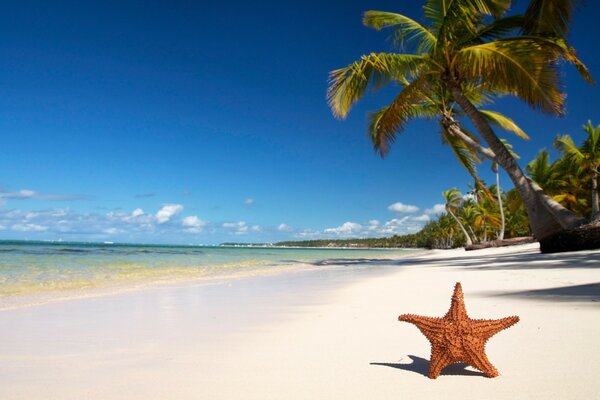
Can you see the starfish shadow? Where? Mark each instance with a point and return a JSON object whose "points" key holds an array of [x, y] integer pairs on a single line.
{"points": [[421, 366]]}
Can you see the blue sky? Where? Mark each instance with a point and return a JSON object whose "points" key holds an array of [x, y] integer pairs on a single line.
{"points": [[195, 122]]}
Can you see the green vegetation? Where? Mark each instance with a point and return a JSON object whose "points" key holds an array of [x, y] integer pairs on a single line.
{"points": [[470, 52], [572, 180]]}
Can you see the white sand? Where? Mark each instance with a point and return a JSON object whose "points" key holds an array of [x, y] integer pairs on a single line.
{"points": [[317, 335]]}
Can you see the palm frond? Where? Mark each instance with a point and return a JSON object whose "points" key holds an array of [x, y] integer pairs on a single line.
{"points": [[503, 122], [526, 68], [562, 50], [348, 85], [568, 148], [386, 123], [406, 29], [478, 93], [453, 20], [467, 157], [499, 28], [549, 17], [592, 144]]}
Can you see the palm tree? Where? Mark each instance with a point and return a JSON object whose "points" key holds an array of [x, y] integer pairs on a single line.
{"points": [[499, 192], [453, 199], [585, 158], [516, 219], [469, 214], [485, 217], [455, 52]]}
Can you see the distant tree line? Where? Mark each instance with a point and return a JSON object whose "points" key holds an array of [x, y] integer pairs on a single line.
{"points": [[487, 213]]}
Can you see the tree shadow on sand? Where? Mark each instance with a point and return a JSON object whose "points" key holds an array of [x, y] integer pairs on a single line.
{"points": [[580, 293], [528, 260], [421, 366]]}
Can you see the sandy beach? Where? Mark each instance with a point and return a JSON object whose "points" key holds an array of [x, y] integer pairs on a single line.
{"points": [[320, 334]]}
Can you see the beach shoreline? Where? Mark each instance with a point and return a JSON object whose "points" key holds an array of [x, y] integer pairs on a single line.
{"points": [[325, 333], [102, 289]]}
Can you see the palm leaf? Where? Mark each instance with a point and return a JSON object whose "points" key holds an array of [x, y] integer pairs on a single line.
{"points": [[386, 123], [549, 17], [406, 29], [503, 122], [348, 85], [562, 51], [453, 20], [467, 157], [499, 28], [526, 68]]}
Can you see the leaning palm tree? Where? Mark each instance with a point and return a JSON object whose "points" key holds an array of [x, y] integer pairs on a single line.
{"points": [[499, 192], [455, 52], [453, 199], [585, 158]]}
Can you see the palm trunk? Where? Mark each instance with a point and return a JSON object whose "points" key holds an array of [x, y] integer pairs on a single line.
{"points": [[499, 195], [454, 128], [475, 238], [595, 205], [460, 225], [545, 217]]}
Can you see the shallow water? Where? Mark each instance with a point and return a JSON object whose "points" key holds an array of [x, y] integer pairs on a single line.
{"points": [[46, 267]]}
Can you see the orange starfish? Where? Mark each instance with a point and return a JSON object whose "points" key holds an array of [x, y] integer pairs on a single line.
{"points": [[458, 338]]}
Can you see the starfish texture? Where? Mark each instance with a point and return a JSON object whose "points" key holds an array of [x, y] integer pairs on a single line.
{"points": [[458, 338]]}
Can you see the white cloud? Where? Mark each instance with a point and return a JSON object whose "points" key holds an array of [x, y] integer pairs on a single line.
{"points": [[403, 208], [21, 194], [393, 226], [421, 218], [240, 228], [284, 228], [193, 224], [309, 234], [249, 201], [436, 209], [373, 225], [29, 228], [346, 229], [112, 231], [26, 194], [255, 228], [167, 212], [137, 212]]}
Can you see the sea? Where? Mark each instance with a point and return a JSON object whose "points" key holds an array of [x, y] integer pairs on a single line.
{"points": [[43, 268]]}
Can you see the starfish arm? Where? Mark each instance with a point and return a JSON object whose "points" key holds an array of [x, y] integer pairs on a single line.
{"points": [[432, 328], [440, 359], [486, 328], [479, 360], [457, 309]]}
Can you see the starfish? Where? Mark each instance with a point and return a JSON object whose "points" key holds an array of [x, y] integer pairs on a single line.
{"points": [[458, 338]]}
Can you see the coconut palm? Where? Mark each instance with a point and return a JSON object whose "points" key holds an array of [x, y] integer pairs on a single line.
{"points": [[468, 214], [585, 158], [454, 53], [453, 200], [562, 180], [499, 192], [485, 217]]}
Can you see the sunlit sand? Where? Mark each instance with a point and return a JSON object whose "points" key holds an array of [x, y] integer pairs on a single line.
{"points": [[320, 334]]}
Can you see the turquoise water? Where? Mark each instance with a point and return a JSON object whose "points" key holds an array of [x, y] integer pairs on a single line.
{"points": [[44, 267]]}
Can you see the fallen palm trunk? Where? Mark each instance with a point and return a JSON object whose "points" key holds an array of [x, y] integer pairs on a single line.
{"points": [[501, 243]]}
